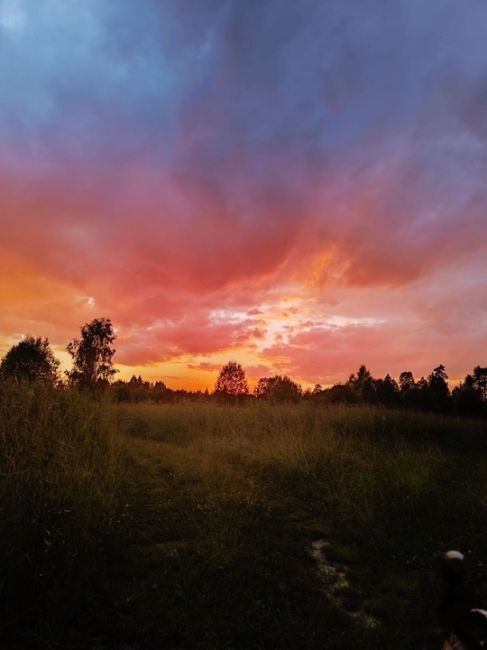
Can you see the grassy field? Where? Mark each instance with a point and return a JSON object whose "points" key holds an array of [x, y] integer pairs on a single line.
{"points": [[197, 525]]}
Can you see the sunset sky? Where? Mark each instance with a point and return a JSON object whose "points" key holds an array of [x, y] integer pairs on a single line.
{"points": [[300, 186]]}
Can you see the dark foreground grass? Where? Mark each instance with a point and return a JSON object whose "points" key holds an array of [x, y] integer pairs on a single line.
{"points": [[61, 469], [199, 534]]}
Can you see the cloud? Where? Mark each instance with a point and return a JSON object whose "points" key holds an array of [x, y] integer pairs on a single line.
{"points": [[169, 163], [196, 335], [206, 366]]}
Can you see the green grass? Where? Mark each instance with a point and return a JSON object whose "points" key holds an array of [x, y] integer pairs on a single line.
{"points": [[61, 470], [191, 524]]}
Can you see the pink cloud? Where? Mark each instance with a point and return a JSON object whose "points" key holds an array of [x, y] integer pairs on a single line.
{"points": [[159, 252], [195, 335], [206, 366]]}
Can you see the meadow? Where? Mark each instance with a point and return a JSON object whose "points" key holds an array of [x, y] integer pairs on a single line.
{"points": [[205, 525]]}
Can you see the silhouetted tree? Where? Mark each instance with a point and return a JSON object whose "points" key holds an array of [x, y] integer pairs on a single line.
{"points": [[121, 391], [406, 381], [278, 388], [479, 378], [160, 391], [363, 385], [30, 360], [421, 395], [231, 381], [92, 354], [138, 389], [438, 386], [387, 391], [467, 399], [341, 393], [470, 398], [362, 376]]}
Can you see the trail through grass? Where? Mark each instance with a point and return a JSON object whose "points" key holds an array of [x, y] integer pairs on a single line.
{"points": [[217, 509], [244, 493]]}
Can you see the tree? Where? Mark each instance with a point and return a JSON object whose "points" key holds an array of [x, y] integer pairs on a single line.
{"points": [[467, 398], [139, 389], [420, 397], [262, 388], [278, 388], [231, 381], [363, 385], [438, 385], [30, 360], [92, 354], [341, 393], [406, 381], [470, 397], [480, 381], [160, 391], [387, 390], [362, 376]]}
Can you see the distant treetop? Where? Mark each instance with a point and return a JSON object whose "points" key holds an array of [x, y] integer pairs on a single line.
{"points": [[278, 388], [231, 381], [30, 360]]}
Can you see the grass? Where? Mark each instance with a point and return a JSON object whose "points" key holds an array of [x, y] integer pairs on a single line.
{"points": [[60, 476], [191, 524]]}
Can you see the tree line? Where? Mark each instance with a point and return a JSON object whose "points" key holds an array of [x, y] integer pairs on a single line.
{"points": [[32, 360], [430, 393]]}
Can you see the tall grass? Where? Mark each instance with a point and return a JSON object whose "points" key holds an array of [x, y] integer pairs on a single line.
{"points": [[228, 498], [249, 488], [390, 481], [370, 471], [60, 476]]}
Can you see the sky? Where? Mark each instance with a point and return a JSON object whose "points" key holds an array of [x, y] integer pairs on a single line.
{"points": [[297, 186]]}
